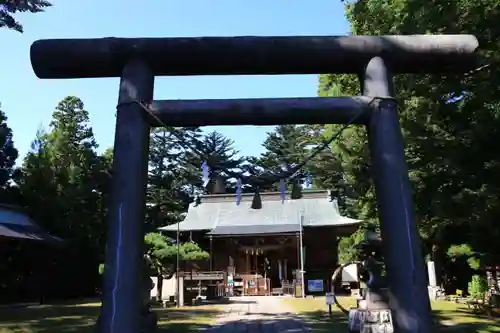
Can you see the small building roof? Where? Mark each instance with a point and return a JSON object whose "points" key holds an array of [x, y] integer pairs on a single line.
{"points": [[220, 214], [14, 223]]}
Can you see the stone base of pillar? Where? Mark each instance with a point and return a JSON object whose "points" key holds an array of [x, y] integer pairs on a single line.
{"points": [[372, 314], [149, 322]]}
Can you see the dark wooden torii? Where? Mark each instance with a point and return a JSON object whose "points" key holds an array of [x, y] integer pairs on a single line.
{"points": [[373, 58]]}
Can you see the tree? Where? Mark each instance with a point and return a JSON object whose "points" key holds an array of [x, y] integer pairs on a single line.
{"points": [[344, 168], [449, 124], [38, 189], [286, 146], [8, 156], [64, 184], [8, 8], [478, 288], [172, 179], [221, 157], [72, 146], [161, 256]]}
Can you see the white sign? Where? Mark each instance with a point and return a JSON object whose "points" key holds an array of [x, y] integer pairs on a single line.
{"points": [[330, 298], [431, 270], [350, 273], [315, 285]]}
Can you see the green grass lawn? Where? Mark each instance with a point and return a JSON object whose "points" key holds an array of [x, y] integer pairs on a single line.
{"points": [[80, 318], [450, 317]]}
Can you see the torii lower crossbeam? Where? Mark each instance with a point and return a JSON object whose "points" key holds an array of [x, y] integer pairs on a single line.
{"points": [[261, 111]]}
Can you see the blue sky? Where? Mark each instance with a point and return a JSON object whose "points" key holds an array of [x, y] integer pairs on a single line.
{"points": [[29, 101]]}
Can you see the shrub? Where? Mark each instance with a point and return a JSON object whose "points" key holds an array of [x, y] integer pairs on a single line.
{"points": [[478, 287]]}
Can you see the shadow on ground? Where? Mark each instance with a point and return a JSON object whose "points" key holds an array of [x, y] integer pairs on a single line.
{"points": [[81, 318], [444, 321], [186, 319], [464, 321], [320, 321], [49, 318]]}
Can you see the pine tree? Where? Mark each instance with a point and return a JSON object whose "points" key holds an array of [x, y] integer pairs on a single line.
{"points": [[172, 181], [8, 155], [8, 8], [65, 185], [222, 159], [286, 146]]}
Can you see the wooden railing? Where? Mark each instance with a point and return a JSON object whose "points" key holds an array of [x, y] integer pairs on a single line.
{"points": [[204, 275]]}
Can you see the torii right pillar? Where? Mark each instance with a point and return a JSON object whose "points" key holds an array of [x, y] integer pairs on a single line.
{"points": [[401, 241]]}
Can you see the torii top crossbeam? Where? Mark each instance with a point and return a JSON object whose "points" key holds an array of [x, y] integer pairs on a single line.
{"points": [[106, 57]]}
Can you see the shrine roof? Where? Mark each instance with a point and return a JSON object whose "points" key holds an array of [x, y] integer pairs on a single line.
{"points": [[14, 223], [220, 215]]}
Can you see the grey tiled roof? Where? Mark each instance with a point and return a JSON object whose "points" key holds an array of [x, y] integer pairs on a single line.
{"points": [[220, 214], [255, 229], [14, 223]]}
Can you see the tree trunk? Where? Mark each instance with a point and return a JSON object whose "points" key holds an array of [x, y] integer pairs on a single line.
{"points": [[159, 287]]}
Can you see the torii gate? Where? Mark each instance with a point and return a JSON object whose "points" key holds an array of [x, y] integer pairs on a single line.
{"points": [[373, 58]]}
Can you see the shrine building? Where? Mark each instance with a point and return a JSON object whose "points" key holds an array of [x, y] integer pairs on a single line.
{"points": [[249, 241]]}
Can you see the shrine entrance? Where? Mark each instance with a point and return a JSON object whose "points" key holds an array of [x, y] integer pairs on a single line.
{"points": [[268, 261], [373, 58], [261, 263]]}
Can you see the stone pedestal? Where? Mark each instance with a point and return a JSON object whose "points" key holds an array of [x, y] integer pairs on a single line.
{"points": [[149, 319], [370, 321], [149, 322], [373, 314]]}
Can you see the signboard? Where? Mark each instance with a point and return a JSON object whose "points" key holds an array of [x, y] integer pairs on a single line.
{"points": [[431, 270], [350, 273], [330, 298], [355, 319], [315, 286]]}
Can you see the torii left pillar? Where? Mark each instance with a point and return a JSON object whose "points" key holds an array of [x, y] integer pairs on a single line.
{"points": [[123, 285]]}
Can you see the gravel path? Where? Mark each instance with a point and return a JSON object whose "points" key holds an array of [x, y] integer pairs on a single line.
{"points": [[264, 314]]}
